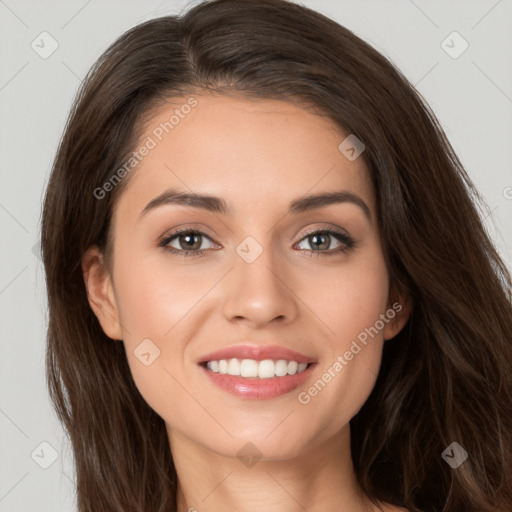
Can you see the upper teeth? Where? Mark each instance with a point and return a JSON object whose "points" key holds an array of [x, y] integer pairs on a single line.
{"points": [[265, 369]]}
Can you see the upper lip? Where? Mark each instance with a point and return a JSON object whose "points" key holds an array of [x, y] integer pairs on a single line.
{"points": [[256, 352]]}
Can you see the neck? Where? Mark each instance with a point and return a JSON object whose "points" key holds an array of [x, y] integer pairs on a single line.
{"points": [[319, 479]]}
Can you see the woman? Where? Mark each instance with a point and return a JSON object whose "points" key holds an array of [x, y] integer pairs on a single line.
{"points": [[204, 353]]}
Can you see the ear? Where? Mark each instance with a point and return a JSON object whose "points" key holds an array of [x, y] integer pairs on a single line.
{"points": [[100, 292], [399, 311]]}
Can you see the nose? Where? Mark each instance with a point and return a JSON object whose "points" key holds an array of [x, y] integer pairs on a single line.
{"points": [[260, 291]]}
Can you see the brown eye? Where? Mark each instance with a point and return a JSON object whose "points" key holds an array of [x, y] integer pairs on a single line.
{"points": [[190, 241], [187, 242], [321, 240]]}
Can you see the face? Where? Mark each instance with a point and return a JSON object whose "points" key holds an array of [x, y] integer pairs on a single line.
{"points": [[258, 272]]}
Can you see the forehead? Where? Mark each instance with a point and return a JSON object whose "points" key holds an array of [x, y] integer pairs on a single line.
{"points": [[250, 152]]}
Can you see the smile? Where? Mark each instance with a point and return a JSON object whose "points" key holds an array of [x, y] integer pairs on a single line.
{"points": [[255, 371], [248, 368]]}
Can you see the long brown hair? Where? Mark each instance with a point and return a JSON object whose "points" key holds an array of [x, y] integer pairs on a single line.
{"points": [[446, 377]]}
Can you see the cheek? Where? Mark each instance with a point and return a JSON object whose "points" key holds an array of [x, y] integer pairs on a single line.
{"points": [[150, 308], [352, 298], [352, 310], [157, 303], [154, 295]]}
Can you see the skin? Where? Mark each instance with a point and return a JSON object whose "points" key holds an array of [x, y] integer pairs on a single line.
{"points": [[258, 156]]}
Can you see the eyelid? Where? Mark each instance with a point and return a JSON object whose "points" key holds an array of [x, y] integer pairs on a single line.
{"points": [[169, 235], [341, 235], [328, 227], [186, 228], [191, 228]]}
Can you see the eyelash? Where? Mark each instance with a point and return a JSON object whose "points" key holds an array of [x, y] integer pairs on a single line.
{"points": [[339, 235]]}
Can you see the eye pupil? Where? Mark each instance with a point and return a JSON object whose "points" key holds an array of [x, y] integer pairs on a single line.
{"points": [[325, 244], [187, 237]]}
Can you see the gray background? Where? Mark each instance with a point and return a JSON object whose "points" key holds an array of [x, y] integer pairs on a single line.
{"points": [[470, 94]]}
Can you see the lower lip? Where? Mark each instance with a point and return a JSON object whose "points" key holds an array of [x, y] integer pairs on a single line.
{"points": [[252, 387]]}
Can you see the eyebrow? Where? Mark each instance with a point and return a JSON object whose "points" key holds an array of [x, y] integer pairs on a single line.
{"points": [[218, 205]]}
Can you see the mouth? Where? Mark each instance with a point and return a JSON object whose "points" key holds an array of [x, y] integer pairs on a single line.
{"points": [[254, 372], [251, 368]]}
